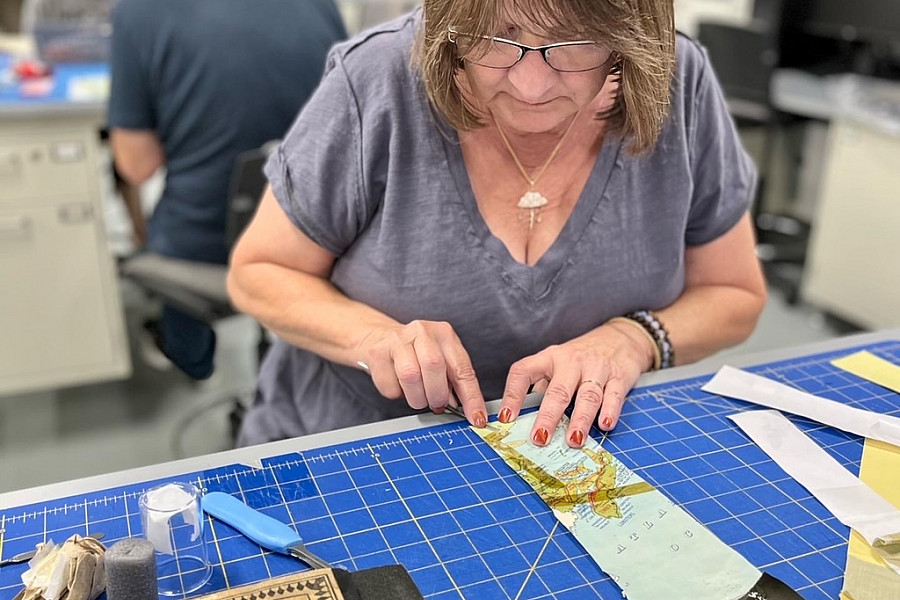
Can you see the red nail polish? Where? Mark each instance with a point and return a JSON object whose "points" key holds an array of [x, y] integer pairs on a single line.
{"points": [[540, 436], [577, 437], [505, 415], [607, 423], [480, 420]]}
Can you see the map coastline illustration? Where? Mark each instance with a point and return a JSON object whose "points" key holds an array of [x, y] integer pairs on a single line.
{"points": [[648, 545]]}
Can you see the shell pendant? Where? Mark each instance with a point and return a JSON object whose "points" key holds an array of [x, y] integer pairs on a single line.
{"points": [[532, 199], [533, 202]]}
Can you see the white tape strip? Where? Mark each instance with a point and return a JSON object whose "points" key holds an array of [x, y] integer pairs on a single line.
{"points": [[735, 383], [850, 500]]}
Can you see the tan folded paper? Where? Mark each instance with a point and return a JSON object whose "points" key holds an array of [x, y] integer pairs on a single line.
{"points": [[72, 571], [867, 577]]}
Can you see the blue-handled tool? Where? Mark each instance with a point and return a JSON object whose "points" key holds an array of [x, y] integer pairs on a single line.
{"points": [[269, 533]]}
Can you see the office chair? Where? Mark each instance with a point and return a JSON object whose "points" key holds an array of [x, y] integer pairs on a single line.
{"points": [[198, 288], [744, 59]]}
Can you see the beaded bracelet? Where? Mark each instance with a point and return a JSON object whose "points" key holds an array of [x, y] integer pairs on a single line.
{"points": [[657, 331]]}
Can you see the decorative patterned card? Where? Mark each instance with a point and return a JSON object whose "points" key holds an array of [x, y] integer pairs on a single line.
{"points": [[308, 585]]}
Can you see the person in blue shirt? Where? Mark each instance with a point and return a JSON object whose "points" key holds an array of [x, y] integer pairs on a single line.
{"points": [[194, 84]]}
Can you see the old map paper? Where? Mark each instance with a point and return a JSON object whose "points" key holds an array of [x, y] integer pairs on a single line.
{"points": [[649, 546], [308, 585]]}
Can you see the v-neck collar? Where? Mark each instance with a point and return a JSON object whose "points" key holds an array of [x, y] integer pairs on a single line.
{"points": [[533, 280]]}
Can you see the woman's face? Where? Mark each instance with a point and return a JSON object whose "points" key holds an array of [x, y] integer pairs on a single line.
{"points": [[530, 96]]}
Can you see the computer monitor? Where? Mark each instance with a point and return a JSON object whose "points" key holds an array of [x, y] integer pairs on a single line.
{"points": [[874, 21], [832, 36]]}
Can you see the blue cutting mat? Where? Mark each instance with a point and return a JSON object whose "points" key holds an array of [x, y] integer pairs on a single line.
{"points": [[441, 502]]}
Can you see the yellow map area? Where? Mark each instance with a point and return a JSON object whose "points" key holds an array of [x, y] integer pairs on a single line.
{"points": [[569, 487]]}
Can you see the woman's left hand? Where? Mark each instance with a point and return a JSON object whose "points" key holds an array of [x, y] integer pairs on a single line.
{"points": [[598, 368]]}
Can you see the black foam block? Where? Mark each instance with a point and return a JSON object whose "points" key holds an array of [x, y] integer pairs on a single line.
{"points": [[131, 571], [392, 582]]}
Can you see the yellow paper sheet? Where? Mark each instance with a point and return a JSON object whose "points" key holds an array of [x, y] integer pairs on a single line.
{"points": [[868, 366], [866, 576]]}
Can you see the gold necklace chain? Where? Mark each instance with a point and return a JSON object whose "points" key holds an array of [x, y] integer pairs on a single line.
{"points": [[533, 201]]}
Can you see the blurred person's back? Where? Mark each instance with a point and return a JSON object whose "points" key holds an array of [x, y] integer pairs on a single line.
{"points": [[212, 78], [194, 84]]}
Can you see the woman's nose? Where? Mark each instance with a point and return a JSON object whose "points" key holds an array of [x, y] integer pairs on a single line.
{"points": [[532, 76]]}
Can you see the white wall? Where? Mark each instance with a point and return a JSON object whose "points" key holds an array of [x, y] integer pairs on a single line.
{"points": [[689, 12], [362, 14]]}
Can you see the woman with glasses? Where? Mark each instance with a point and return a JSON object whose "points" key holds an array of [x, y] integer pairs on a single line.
{"points": [[484, 198]]}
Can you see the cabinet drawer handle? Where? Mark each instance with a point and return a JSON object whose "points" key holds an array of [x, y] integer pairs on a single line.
{"points": [[13, 225], [75, 212]]}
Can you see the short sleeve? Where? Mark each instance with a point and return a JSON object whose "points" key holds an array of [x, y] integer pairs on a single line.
{"points": [[317, 173], [131, 104], [723, 174]]}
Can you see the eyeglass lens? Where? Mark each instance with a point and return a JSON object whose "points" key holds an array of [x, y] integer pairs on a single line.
{"points": [[499, 54]]}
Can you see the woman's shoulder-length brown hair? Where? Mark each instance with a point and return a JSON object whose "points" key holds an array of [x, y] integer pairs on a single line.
{"points": [[640, 32]]}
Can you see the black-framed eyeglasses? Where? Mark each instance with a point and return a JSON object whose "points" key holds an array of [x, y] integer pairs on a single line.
{"points": [[501, 53]]}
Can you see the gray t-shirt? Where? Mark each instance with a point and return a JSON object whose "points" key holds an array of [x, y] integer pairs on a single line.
{"points": [[372, 175]]}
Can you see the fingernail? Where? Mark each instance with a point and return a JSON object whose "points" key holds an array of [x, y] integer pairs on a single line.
{"points": [[479, 420], [577, 437], [540, 436], [505, 415], [607, 423]]}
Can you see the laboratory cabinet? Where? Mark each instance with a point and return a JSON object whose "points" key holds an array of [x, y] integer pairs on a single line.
{"points": [[61, 320], [852, 267]]}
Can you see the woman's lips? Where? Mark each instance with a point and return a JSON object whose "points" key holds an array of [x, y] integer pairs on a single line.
{"points": [[533, 105]]}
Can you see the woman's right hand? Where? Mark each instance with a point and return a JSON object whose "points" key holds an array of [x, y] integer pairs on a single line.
{"points": [[425, 362]]}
